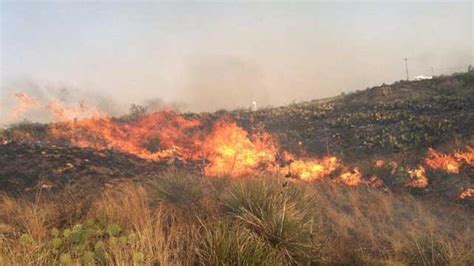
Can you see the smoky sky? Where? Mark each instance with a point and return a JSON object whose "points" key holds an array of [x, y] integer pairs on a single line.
{"points": [[208, 56]]}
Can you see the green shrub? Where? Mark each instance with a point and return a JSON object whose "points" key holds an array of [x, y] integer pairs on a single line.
{"points": [[279, 215], [178, 188]]}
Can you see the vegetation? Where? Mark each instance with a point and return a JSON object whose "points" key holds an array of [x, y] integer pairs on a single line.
{"points": [[68, 206], [401, 117], [176, 218]]}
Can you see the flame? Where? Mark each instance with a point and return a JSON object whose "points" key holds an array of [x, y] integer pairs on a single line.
{"points": [[351, 178], [467, 194], [227, 148], [312, 169], [231, 151], [155, 136], [418, 178], [446, 162], [467, 156], [223, 147]]}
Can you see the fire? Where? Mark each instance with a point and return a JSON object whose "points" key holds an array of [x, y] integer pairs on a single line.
{"points": [[418, 178], [440, 161], [446, 162], [351, 178], [467, 156], [231, 151], [223, 146], [227, 149], [312, 169], [467, 194], [155, 136]]}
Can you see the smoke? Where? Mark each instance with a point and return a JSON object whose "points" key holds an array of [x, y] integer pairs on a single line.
{"points": [[40, 101], [214, 83], [205, 57], [42, 94]]}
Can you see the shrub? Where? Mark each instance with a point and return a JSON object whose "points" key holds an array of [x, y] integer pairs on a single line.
{"points": [[178, 188], [279, 215]]}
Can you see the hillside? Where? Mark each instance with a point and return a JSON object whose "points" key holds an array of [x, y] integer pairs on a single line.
{"points": [[407, 116], [383, 176], [394, 123]]}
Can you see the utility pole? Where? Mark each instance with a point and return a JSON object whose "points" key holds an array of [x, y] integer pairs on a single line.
{"points": [[406, 68]]}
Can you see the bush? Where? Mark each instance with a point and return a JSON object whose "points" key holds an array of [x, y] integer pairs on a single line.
{"points": [[178, 188], [279, 215]]}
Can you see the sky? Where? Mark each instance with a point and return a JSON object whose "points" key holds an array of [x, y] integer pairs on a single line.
{"points": [[205, 56]]}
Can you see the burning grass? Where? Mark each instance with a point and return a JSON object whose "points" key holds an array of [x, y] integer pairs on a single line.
{"points": [[253, 220]]}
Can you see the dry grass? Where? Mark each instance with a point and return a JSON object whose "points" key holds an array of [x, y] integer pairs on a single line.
{"points": [[179, 219]]}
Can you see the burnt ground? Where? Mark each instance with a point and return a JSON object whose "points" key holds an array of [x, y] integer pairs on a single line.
{"points": [[31, 166]]}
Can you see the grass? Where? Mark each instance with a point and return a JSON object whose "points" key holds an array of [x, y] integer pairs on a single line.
{"points": [[180, 219]]}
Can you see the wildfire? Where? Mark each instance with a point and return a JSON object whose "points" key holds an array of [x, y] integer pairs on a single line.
{"points": [[223, 146], [446, 162], [155, 136], [467, 156], [351, 178], [467, 194], [418, 178], [230, 151], [227, 149]]}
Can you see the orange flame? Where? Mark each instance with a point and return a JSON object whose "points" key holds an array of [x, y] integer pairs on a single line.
{"points": [[467, 194], [446, 162], [226, 148], [155, 136], [310, 170], [351, 178], [418, 178], [231, 152], [467, 156]]}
